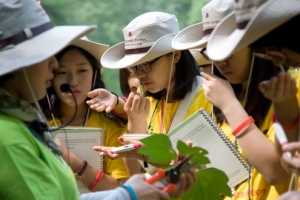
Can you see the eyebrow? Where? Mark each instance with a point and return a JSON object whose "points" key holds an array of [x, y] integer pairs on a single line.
{"points": [[79, 64]]}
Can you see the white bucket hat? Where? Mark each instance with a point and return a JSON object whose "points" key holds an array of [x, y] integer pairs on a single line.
{"points": [[94, 48], [250, 21], [27, 36], [197, 35], [200, 60], [148, 36]]}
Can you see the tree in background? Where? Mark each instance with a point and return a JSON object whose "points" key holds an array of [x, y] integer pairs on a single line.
{"points": [[111, 16]]}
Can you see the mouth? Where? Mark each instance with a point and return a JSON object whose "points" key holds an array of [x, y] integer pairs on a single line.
{"points": [[226, 73]]}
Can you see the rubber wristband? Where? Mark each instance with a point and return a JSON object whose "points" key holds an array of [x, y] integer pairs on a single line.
{"points": [[130, 191], [117, 98], [99, 177], [243, 126], [82, 168], [124, 99], [290, 127]]}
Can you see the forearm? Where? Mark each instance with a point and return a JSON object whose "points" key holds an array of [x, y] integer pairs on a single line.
{"points": [[89, 175], [116, 194], [258, 149], [133, 166], [137, 126]]}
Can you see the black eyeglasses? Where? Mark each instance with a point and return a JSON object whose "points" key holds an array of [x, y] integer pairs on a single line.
{"points": [[145, 67], [275, 56]]}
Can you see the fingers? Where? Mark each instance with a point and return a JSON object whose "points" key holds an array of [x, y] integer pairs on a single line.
{"points": [[291, 147]]}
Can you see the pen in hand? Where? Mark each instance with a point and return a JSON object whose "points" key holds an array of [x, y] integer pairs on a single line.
{"points": [[124, 148], [281, 137]]}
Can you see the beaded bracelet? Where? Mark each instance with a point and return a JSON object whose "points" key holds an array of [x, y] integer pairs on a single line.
{"points": [[117, 98], [290, 127], [99, 177], [243, 126], [130, 191]]}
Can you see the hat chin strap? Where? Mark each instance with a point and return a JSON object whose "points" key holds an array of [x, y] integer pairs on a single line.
{"points": [[41, 114], [249, 81], [168, 90]]}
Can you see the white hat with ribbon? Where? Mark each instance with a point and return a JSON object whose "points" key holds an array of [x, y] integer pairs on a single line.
{"points": [[197, 35], [148, 36], [250, 21], [28, 37]]}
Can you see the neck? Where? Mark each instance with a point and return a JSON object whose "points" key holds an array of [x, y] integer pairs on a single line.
{"points": [[67, 112]]}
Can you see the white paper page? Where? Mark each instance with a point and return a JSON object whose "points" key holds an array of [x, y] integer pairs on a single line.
{"points": [[81, 142], [221, 155]]}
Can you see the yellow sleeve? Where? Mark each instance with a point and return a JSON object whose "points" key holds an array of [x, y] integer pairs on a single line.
{"points": [[115, 168]]}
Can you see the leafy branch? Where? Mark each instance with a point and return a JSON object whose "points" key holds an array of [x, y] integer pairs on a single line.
{"points": [[212, 182]]}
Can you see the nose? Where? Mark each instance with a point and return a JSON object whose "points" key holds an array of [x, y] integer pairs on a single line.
{"points": [[72, 80], [139, 74], [221, 63], [53, 63]]}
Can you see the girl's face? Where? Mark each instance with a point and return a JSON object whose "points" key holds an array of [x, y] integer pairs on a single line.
{"points": [[39, 76], [77, 71], [236, 69], [157, 79]]}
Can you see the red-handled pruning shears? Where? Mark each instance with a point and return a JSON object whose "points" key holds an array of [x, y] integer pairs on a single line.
{"points": [[172, 173]]}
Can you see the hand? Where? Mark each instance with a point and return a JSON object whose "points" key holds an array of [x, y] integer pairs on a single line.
{"points": [[291, 164], [279, 89], [102, 99], [291, 195], [187, 180], [137, 108], [215, 87], [145, 191], [127, 154]]}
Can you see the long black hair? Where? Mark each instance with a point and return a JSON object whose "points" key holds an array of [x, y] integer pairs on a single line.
{"points": [[124, 74], [54, 100], [256, 104], [185, 74]]}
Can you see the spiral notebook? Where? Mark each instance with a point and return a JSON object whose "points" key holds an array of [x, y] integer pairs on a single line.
{"points": [[205, 133], [81, 140]]}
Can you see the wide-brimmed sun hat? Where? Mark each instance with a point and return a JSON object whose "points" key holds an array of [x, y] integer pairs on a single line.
{"points": [[200, 60], [94, 48], [250, 21], [197, 35], [148, 36], [28, 37]]}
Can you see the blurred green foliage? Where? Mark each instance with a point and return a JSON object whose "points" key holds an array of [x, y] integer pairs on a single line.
{"points": [[111, 16]]}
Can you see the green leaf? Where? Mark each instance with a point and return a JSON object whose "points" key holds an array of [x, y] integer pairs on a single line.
{"points": [[199, 153], [159, 148], [211, 184]]}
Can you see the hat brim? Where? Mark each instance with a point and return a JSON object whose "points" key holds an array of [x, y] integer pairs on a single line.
{"points": [[40, 47], [227, 39], [95, 49], [115, 57], [189, 38]]}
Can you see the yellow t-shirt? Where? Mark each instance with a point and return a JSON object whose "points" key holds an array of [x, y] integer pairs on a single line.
{"points": [[260, 189], [155, 117], [115, 168]]}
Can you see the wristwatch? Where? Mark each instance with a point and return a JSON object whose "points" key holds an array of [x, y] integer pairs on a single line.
{"points": [[78, 174]]}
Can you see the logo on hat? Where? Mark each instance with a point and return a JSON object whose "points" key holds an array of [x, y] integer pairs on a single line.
{"points": [[129, 34], [206, 15]]}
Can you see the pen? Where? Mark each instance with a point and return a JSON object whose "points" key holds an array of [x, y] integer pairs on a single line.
{"points": [[124, 148], [280, 134]]}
